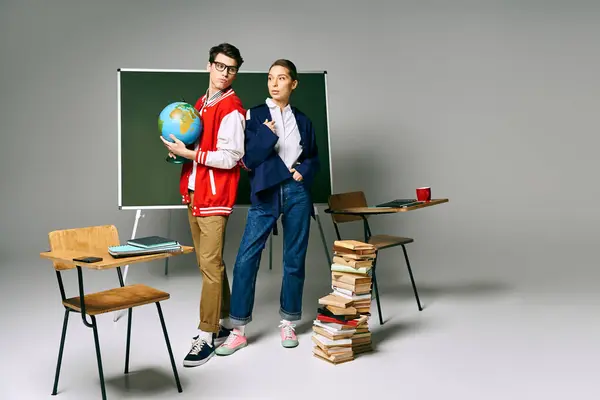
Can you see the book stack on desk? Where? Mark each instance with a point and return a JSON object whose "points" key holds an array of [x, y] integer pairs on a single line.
{"points": [[341, 329], [145, 245]]}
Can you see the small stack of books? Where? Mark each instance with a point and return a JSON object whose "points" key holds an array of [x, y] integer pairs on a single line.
{"points": [[145, 245], [341, 329]]}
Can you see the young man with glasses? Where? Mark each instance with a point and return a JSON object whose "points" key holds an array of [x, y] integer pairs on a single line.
{"points": [[208, 185]]}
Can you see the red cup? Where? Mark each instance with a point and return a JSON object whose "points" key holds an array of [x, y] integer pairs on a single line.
{"points": [[424, 194]]}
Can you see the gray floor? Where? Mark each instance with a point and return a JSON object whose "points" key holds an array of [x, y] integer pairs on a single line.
{"points": [[488, 332], [494, 104]]}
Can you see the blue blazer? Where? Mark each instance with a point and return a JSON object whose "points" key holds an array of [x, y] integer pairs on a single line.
{"points": [[266, 169]]}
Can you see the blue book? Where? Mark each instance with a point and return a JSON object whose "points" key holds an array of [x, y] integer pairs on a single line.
{"points": [[129, 250]]}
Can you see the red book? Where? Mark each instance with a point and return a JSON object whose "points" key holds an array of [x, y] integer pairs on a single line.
{"points": [[348, 322]]}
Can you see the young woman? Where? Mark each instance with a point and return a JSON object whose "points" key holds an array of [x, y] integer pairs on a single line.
{"points": [[281, 157]]}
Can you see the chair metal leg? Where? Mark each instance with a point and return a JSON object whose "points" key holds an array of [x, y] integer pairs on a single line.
{"points": [[322, 235], [127, 347], [374, 279], [164, 328], [412, 280], [337, 231], [60, 351], [97, 341], [367, 231]]}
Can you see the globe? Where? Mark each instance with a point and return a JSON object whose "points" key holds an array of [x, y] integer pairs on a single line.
{"points": [[181, 120]]}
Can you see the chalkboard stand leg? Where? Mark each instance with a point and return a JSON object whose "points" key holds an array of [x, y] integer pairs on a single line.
{"points": [[168, 235], [138, 215], [271, 250], [325, 247]]}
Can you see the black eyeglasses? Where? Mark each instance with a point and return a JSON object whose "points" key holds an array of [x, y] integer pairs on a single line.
{"points": [[221, 67]]}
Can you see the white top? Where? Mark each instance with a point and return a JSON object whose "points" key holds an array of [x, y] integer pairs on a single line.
{"points": [[288, 146]]}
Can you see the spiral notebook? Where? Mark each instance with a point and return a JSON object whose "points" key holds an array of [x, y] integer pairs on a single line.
{"points": [[400, 203]]}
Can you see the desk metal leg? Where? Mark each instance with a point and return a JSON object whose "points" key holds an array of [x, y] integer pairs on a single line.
{"points": [[374, 268], [98, 356], [92, 325], [412, 279], [60, 351], [164, 328], [377, 291], [128, 345]]}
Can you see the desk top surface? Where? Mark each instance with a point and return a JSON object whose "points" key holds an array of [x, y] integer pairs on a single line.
{"points": [[385, 210], [108, 261]]}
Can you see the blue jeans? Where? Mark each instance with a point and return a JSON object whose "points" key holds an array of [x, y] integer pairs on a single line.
{"points": [[296, 207]]}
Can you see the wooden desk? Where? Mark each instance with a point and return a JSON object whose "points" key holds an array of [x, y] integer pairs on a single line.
{"points": [[65, 258], [360, 211], [108, 261], [95, 241], [364, 212]]}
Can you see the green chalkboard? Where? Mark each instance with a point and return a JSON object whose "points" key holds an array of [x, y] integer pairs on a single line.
{"points": [[146, 180]]}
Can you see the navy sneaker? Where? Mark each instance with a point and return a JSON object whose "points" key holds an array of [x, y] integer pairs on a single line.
{"points": [[220, 337], [200, 353]]}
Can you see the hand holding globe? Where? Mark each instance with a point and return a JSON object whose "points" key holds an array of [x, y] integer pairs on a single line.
{"points": [[178, 151], [180, 125]]}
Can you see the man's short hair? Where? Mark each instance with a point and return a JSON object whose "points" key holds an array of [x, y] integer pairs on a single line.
{"points": [[227, 49]]}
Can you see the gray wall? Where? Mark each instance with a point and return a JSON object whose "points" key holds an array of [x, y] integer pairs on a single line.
{"points": [[492, 103]]}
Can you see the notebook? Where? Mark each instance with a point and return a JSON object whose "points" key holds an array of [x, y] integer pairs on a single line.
{"points": [[400, 203], [129, 250], [151, 241]]}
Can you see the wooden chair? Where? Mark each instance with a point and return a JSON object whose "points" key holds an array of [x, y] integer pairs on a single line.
{"points": [[357, 199], [92, 240]]}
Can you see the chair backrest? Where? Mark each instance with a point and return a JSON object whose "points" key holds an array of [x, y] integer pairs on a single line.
{"points": [[340, 201], [90, 239]]}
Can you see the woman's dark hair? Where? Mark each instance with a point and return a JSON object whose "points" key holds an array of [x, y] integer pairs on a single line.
{"points": [[229, 50], [288, 65]]}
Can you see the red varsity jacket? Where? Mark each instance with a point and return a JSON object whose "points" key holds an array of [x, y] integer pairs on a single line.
{"points": [[215, 173]]}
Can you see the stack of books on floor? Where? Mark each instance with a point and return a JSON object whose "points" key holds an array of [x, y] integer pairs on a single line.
{"points": [[341, 329], [145, 245]]}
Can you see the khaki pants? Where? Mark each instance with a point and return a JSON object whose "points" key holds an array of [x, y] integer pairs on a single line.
{"points": [[208, 234]]}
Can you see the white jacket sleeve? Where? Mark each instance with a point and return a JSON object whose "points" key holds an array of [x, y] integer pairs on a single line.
{"points": [[230, 143]]}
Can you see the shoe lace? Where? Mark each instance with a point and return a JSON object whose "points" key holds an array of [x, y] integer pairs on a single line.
{"points": [[288, 329], [197, 345], [230, 339]]}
